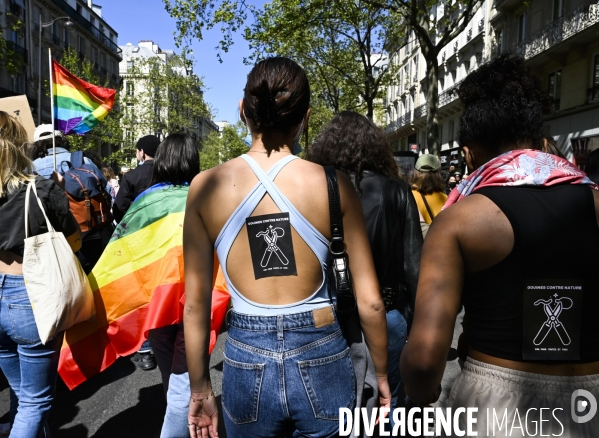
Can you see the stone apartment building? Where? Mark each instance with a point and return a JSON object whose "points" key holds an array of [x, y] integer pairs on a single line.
{"points": [[559, 41], [75, 23], [134, 84]]}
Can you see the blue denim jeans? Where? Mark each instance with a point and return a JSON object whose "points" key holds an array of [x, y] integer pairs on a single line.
{"points": [[286, 375], [30, 367], [397, 333], [168, 344]]}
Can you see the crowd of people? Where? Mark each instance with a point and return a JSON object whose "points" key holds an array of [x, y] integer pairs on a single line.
{"points": [[505, 253]]}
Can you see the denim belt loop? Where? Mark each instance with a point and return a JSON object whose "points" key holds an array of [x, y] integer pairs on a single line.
{"points": [[280, 327]]}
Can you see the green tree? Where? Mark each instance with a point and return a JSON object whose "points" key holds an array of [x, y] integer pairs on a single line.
{"points": [[163, 95], [434, 24], [10, 59], [341, 44], [220, 147]]}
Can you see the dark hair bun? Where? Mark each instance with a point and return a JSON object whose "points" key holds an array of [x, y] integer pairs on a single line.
{"points": [[277, 95]]}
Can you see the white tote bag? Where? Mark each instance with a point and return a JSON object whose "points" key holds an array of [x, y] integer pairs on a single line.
{"points": [[57, 286]]}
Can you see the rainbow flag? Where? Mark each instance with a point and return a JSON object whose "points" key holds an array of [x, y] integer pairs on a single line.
{"points": [[138, 285], [78, 105]]}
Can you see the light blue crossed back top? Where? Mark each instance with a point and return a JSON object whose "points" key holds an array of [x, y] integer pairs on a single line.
{"points": [[313, 238]]}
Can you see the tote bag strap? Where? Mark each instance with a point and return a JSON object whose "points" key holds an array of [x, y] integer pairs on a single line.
{"points": [[31, 186]]}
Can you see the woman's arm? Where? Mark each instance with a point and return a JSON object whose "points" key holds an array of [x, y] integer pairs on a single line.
{"points": [[437, 300], [368, 296], [198, 257]]}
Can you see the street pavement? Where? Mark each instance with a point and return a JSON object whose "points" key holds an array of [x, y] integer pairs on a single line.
{"points": [[127, 402]]}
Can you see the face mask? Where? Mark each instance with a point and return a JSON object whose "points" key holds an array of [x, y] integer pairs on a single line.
{"points": [[452, 185]]}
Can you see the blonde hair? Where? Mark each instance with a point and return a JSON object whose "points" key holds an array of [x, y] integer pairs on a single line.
{"points": [[15, 167], [13, 131]]}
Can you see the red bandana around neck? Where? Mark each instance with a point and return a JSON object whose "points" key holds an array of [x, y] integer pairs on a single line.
{"points": [[522, 167]]}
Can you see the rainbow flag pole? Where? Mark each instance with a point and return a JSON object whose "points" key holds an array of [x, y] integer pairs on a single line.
{"points": [[51, 105]]}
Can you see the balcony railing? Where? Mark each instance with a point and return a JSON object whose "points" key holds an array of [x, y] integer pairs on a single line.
{"points": [[579, 19], [420, 111], [395, 125], [87, 25]]}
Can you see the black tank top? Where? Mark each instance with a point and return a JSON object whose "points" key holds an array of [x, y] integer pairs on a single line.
{"points": [[555, 237]]}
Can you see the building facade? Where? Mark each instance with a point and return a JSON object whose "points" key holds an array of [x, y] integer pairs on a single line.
{"points": [[134, 73], [558, 40], [86, 32]]}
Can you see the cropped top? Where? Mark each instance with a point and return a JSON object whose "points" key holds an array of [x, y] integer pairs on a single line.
{"points": [[313, 238], [556, 238]]}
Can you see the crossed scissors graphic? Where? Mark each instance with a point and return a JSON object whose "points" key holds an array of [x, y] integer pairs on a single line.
{"points": [[553, 321], [270, 236]]}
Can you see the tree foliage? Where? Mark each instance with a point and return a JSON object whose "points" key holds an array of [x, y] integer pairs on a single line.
{"points": [[164, 97], [224, 146], [340, 43], [435, 24], [10, 59]]}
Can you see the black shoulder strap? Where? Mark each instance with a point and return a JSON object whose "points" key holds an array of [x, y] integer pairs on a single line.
{"points": [[337, 244], [428, 208]]}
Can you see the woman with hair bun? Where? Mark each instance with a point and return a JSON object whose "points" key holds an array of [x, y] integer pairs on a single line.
{"points": [[504, 247], [287, 368]]}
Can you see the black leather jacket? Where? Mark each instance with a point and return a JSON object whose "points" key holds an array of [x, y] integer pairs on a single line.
{"points": [[393, 227]]}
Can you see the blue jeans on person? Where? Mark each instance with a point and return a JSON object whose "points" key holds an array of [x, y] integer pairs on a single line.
{"points": [[168, 344], [284, 376], [29, 366], [397, 332]]}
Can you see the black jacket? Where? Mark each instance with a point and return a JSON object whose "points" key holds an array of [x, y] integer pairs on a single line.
{"points": [[134, 182], [393, 227]]}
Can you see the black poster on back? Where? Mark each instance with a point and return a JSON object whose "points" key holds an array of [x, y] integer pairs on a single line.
{"points": [[551, 320], [271, 246]]}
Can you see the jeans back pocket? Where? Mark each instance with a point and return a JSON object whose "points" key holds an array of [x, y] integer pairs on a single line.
{"points": [[330, 383], [24, 328], [242, 383]]}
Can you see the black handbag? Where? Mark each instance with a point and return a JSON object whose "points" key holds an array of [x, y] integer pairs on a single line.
{"points": [[340, 285]]}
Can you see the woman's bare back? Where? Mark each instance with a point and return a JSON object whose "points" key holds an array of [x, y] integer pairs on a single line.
{"points": [[304, 185]]}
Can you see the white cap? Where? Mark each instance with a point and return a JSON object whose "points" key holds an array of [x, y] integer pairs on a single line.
{"points": [[43, 132]]}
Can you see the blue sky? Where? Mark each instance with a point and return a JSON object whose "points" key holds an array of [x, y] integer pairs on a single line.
{"points": [[136, 20]]}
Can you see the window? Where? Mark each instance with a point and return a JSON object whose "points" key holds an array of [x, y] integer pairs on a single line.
{"points": [[79, 9], [440, 133], [558, 9], [453, 75], [451, 132], [522, 27], [596, 72], [36, 59], [442, 83], [81, 46], [499, 40], [18, 84], [102, 59], [416, 66], [130, 88], [36, 17], [467, 66], [554, 87], [130, 64], [94, 55], [65, 37], [112, 67]]}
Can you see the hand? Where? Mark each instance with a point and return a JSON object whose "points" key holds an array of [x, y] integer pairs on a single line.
{"points": [[384, 394], [58, 179], [203, 416]]}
